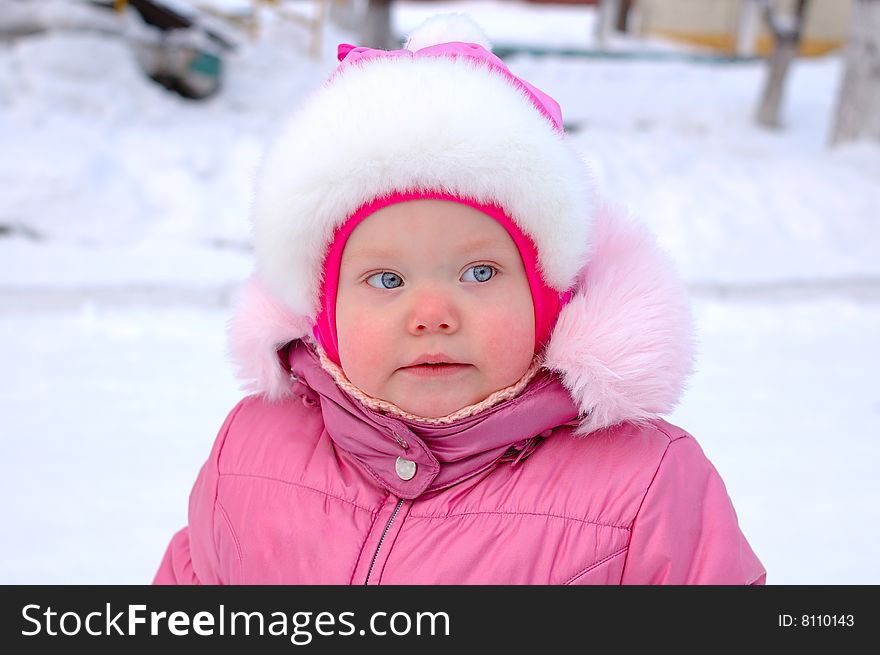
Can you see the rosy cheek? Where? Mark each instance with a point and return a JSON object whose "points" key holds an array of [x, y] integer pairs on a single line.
{"points": [[508, 341], [365, 348]]}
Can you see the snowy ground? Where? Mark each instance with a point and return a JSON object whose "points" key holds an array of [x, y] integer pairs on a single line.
{"points": [[123, 235]]}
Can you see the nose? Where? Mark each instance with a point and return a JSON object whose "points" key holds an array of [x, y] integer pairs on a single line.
{"points": [[433, 312]]}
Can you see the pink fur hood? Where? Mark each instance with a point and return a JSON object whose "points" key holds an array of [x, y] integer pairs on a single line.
{"points": [[623, 346]]}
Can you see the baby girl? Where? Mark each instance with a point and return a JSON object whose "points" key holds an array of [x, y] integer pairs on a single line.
{"points": [[458, 357]]}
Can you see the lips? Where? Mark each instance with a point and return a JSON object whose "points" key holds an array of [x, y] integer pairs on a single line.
{"points": [[432, 359], [435, 370], [434, 365]]}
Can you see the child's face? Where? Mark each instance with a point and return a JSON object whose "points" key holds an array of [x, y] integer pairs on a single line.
{"points": [[433, 280]]}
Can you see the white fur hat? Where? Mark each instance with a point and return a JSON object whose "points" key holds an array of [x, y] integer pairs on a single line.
{"points": [[443, 114]]}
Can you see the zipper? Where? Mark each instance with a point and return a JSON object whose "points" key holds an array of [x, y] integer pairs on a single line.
{"points": [[381, 539]]}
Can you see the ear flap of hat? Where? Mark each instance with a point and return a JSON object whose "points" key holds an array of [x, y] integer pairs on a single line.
{"points": [[260, 326], [624, 344]]}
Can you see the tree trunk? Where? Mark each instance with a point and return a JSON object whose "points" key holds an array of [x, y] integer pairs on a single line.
{"points": [[347, 14], [623, 11], [784, 51], [858, 106], [377, 26], [786, 39], [606, 13]]}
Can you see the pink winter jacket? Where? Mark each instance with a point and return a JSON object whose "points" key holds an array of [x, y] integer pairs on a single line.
{"points": [[574, 481]]}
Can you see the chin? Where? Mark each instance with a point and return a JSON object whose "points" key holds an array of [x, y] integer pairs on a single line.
{"points": [[432, 408]]}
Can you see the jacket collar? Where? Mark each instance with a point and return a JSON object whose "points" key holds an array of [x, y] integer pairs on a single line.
{"points": [[442, 454]]}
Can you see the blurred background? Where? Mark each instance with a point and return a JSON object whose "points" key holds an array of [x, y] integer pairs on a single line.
{"points": [[745, 133]]}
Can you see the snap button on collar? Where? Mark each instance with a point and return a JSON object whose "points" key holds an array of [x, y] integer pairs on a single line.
{"points": [[400, 441], [405, 468]]}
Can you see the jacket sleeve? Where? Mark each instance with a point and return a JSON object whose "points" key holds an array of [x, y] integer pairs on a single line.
{"points": [[686, 530], [176, 567], [198, 553]]}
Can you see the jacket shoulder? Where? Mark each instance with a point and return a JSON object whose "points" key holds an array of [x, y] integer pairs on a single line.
{"points": [[604, 476], [271, 438]]}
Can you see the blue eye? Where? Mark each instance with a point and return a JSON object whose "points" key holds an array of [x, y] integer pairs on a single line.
{"points": [[479, 273], [385, 280]]}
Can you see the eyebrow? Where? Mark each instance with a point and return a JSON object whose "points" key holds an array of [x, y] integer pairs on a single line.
{"points": [[466, 249]]}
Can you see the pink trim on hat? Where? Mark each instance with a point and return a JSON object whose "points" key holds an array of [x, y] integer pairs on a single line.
{"points": [[547, 301], [349, 55]]}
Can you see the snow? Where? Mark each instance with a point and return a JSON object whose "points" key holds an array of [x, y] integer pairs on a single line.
{"points": [[124, 234]]}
